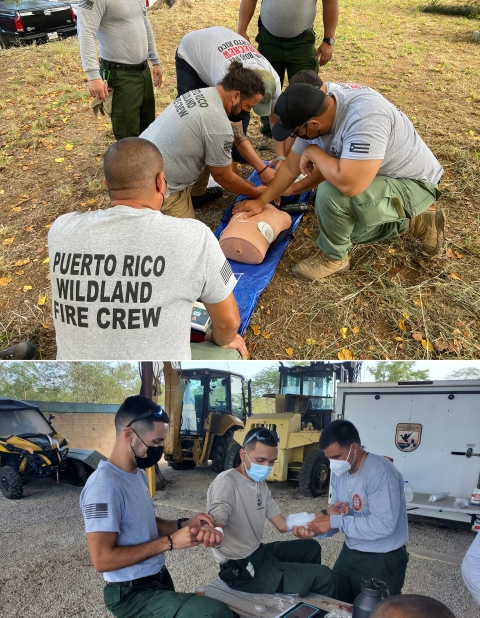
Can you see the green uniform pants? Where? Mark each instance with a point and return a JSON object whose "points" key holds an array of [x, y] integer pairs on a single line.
{"points": [[209, 351], [161, 601], [352, 566], [290, 55], [288, 566], [381, 211], [133, 103]]}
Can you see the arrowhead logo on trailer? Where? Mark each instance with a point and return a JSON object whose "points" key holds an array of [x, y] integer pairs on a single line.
{"points": [[408, 437]]}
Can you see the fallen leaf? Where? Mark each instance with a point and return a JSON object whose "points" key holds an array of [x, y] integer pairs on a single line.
{"points": [[417, 336], [405, 315], [20, 272], [4, 281], [427, 346], [345, 354], [16, 209], [26, 288], [25, 168], [307, 216], [45, 325], [289, 351], [391, 250], [42, 300], [455, 276], [256, 329], [60, 160], [418, 302], [29, 229], [355, 329], [307, 232], [449, 253], [22, 262], [343, 332], [401, 325], [399, 339], [46, 261], [459, 255], [69, 146], [49, 225], [440, 345], [310, 341], [8, 241], [266, 335]]}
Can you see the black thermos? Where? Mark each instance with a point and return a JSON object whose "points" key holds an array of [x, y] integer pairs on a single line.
{"points": [[373, 591]]}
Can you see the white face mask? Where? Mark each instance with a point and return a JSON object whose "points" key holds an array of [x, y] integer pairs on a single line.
{"points": [[340, 466]]}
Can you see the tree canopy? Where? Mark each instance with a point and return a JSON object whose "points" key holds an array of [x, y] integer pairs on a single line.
{"points": [[397, 371], [465, 373]]}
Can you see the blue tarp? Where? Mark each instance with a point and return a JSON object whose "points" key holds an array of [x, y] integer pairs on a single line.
{"points": [[252, 279]]}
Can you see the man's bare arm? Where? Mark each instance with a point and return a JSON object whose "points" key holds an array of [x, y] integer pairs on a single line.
{"points": [[247, 151], [247, 9], [227, 178], [280, 522]]}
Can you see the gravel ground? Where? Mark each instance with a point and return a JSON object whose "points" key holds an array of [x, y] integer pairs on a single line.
{"points": [[47, 572]]}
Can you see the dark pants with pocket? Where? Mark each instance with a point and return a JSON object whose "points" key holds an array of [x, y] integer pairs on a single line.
{"points": [[159, 600], [352, 566], [133, 103], [286, 55], [188, 79]]}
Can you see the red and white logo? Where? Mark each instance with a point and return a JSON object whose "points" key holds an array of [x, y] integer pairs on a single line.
{"points": [[357, 503]]}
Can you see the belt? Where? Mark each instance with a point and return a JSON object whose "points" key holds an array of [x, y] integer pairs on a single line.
{"points": [[285, 38], [143, 581], [117, 66], [357, 551]]}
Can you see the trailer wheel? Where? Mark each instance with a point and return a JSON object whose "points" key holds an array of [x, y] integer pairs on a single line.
{"points": [[219, 451], [232, 460], [188, 464], [11, 483], [314, 476], [77, 472]]}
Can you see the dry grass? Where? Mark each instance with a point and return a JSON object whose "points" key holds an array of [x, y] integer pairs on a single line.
{"points": [[426, 64]]}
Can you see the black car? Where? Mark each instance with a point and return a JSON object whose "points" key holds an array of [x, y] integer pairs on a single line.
{"points": [[23, 21]]}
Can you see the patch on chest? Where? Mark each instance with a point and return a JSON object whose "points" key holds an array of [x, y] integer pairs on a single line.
{"points": [[259, 501], [357, 503]]}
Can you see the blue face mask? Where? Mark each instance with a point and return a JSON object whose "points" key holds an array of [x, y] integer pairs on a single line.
{"points": [[257, 472]]}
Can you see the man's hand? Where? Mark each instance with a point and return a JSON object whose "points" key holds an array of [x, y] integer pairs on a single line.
{"points": [[157, 75], [185, 537], [303, 533], [306, 162], [320, 525], [267, 176], [249, 207], [199, 520], [209, 537], [237, 344], [98, 89], [245, 35], [324, 53], [339, 508]]}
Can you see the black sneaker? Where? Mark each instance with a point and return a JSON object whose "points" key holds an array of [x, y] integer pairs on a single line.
{"points": [[20, 351], [210, 195]]}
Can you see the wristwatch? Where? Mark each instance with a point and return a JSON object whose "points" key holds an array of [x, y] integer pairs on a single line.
{"points": [[180, 521], [329, 40]]}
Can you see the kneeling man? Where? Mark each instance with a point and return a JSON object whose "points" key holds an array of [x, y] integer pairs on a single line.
{"points": [[239, 502]]}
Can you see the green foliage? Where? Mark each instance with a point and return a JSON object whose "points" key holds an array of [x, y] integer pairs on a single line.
{"points": [[397, 371], [83, 382], [466, 373]]}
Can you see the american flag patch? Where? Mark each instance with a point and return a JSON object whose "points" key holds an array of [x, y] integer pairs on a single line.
{"points": [[86, 4], [96, 511], [226, 272]]}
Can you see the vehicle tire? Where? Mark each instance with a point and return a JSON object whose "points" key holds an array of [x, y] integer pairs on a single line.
{"points": [[182, 465], [78, 472], [232, 460], [11, 483], [219, 451], [314, 476]]}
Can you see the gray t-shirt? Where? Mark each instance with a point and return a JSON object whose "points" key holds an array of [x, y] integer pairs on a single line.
{"points": [[368, 127], [211, 50], [117, 501], [123, 31], [471, 568], [192, 132], [124, 281], [377, 521], [288, 18], [242, 506]]}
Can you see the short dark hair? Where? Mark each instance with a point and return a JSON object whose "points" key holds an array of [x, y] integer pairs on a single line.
{"points": [[411, 606], [131, 408], [247, 82], [324, 105], [343, 432], [253, 443], [131, 163]]}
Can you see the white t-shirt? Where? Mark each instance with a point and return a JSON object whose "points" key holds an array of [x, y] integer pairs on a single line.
{"points": [[124, 282], [211, 50], [368, 127], [192, 132]]}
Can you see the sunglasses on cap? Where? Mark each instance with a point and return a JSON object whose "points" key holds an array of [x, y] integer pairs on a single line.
{"points": [[157, 413], [263, 435]]}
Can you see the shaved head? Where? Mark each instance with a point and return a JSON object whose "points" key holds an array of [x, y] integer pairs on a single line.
{"points": [[130, 164], [411, 606]]}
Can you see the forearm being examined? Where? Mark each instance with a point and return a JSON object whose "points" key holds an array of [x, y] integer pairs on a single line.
{"points": [[107, 556], [230, 181]]}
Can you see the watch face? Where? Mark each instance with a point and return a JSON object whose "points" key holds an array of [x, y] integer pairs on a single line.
{"points": [[330, 41]]}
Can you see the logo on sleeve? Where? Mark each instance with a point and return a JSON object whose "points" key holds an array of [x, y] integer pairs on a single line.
{"points": [[96, 511], [357, 503], [259, 502], [85, 4], [359, 147]]}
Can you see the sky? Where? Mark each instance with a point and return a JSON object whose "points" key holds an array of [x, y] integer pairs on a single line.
{"points": [[439, 369]]}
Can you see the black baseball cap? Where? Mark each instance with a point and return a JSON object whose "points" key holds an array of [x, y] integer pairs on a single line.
{"points": [[297, 104], [306, 77]]}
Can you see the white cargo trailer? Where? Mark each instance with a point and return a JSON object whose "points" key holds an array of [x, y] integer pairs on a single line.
{"points": [[431, 431]]}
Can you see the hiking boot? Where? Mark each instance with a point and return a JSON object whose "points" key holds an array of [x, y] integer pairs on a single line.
{"points": [[264, 143], [210, 195], [319, 267], [20, 351], [428, 228]]}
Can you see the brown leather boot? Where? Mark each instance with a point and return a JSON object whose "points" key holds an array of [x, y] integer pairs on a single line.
{"points": [[428, 228], [319, 267]]}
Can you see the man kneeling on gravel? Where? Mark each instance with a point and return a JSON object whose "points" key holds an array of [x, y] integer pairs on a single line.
{"points": [[239, 502], [127, 541]]}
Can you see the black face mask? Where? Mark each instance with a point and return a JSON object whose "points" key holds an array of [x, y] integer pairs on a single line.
{"points": [[243, 113], [153, 456]]}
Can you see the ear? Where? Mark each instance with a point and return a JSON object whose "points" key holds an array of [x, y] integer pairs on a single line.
{"points": [[236, 97], [160, 182]]}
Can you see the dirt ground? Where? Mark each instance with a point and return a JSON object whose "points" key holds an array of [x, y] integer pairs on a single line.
{"points": [[47, 571], [395, 303]]}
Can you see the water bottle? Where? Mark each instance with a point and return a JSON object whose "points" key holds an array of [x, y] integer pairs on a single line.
{"points": [[373, 591], [408, 492]]}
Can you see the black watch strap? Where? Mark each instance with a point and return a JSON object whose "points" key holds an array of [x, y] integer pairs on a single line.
{"points": [[180, 521], [329, 40], [324, 512]]}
